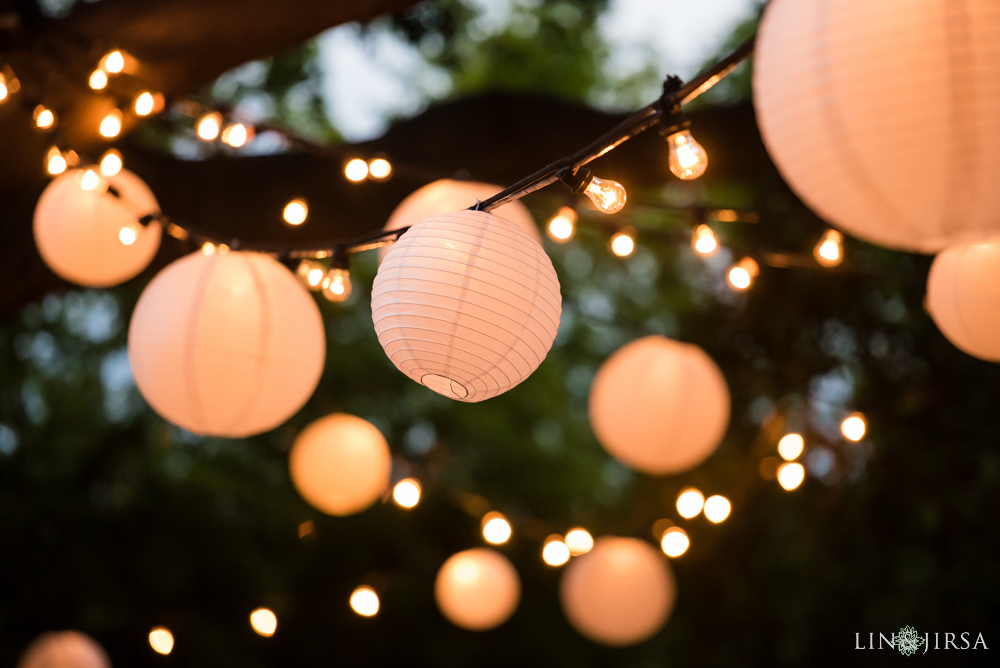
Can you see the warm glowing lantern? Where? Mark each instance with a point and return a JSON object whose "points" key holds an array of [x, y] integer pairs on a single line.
{"points": [[477, 589], [340, 464], [78, 227], [891, 159], [226, 344], [659, 406], [64, 649], [963, 297], [620, 593], [466, 304]]}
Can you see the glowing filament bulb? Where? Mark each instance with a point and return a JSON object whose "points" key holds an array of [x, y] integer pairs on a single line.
{"points": [[703, 240], [741, 276], [356, 170], [111, 162], [608, 196], [579, 541], [161, 640], [55, 163], [717, 509], [337, 285], [209, 126], [90, 180], [380, 169], [111, 126], [622, 244], [687, 159], [146, 103], [829, 252], [690, 502], [44, 118], [791, 475], [675, 542], [127, 235], [496, 528], [562, 226], [296, 212], [791, 446], [264, 622], [853, 427], [406, 493], [98, 80], [114, 62], [555, 552], [364, 601], [236, 135]]}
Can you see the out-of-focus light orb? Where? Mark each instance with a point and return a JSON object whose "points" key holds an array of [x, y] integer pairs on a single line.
{"points": [[356, 170], [791, 446], [380, 169], [717, 508], [555, 552], [235, 135], [853, 427], [146, 103], [496, 528], [364, 601], [44, 118], [791, 475], [98, 80], [161, 640], [64, 649], [562, 226], [114, 62], [406, 493], [477, 589], [111, 126], [264, 622], [55, 161], [675, 542], [127, 235], [209, 126], [829, 251], [622, 244], [690, 502], [296, 212], [703, 240], [579, 541], [111, 162]]}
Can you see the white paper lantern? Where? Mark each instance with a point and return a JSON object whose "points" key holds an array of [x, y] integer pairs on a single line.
{"points": [[963, 297], [659, 406], [340, 464], [64, 649], [620, 593], [883, 115], [78, 232], [467, 304], [477, 589], [226, 344]]}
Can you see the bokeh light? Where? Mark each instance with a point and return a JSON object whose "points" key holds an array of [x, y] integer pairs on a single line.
{"points": [[496, 528], [791, 475], [356, 170], [406, 493], [555, 552], [791, 446], [690, 502], [296, 212], [364, 601], [161, 640], [579, 541], [675, 542], [854, 427], [717, 508], [264, 622]]}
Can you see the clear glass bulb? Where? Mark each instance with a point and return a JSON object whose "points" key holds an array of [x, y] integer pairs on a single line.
{"points": [[337, 285], [688, 159], [607, 195]]}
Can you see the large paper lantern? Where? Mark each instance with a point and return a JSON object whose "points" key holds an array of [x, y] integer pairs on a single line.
{"points": [[226, 344], [659, 406], [477, 589], [882, 115], [963, 297], [64, 649], [620, 593], [340, 464], [467, 304], [79, 229]]}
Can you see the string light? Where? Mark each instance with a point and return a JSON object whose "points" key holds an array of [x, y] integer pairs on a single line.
{"points": [[296, 212], [311, 273], [55, 162], [111, 162], [690, 502], [44, 118], [579, 541], [622, 243], [717, 508], [236, 135], [496, 528], [90, 180], [337, 285], [791, 446], [742, 274], [562, 226], [98, 80], [161, 640], [147, 103], [607, 195], [406, 493], [703, 240], [113, 62], [111, 126], [791, 475], [854, 427], [674, 542], [380, 169], [687, 159], [356, 170], [264, 622], [364, 601], [3, 87], [208, 126], [555, 552], [829, 252]]}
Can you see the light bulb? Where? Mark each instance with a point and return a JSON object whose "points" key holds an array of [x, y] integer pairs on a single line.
{"points": [[3, 87], [607, 195], [555, 552], [687, 159], [579, 541], [337, 285], [111, 162], [496, 528], [675, 542], [717, 508], [296, 212], [622, 244], [237, 135], [406, 493], [111, 126], [114, 62], [128, 235], [55, 163], [147, 103], [356, 170], [264, 622], [90, 180], [562, 226], [98, 80], [311, 273], [853, 427], [703, 240], [690, 502], [44, 118], [742, 274], [791, 475], [829, 252], [161, 640], [208, 126], [380, 169], [364, 601], [791, 446]]}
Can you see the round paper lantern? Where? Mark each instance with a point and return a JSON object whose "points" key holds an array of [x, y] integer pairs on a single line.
{"points": [[79, 232], [467, 304], [64, 649], [882, 116], [477, 589], [659, 406], [340, 464], [963, 297], [226, 344], [620, 593]]}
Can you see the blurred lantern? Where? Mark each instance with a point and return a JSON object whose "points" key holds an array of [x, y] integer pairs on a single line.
{"points": [[659, 406], [620, 593], [340, 464], [963, 297], [886, 158], [64, 649], [477, 589], [466, 304], [78, 223], [226, 344]]}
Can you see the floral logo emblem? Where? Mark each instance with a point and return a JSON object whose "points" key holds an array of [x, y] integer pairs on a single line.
{"points": [[908, 641]]}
